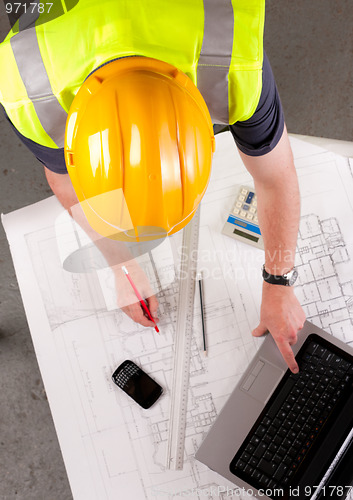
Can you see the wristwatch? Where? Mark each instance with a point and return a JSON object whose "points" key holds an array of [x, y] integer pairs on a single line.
{"points": [[287, 279]]}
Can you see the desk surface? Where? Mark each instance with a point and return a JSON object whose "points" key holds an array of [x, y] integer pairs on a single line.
{"points": [[343, 148], [111, 448]]}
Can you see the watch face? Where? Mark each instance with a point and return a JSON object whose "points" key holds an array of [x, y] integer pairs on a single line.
{"points": [[292, 277]]}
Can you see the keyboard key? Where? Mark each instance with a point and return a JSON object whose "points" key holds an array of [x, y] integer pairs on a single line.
{"points": [[250, 448], [287, 443], [261, 431], [255, 440], [282, 469], [281, 398], [257, 475], [266, 421], [272, 485], [312, 347], [345, 365], [320, 351], [245, 456], [292, 452], [264, 480], [241, 464], [282, 432], [272, 430], [267, 468], [277, 440], [273, 448], [326, 359], [248, 470], [336, 361], [260, 450], [267, 439], [294, 417]]}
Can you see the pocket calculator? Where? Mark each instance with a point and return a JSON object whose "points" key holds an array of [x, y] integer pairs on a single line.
{"points": [[242, 223]]}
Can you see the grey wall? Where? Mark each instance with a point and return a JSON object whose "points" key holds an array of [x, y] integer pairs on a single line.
{"points": [[310, 46]]}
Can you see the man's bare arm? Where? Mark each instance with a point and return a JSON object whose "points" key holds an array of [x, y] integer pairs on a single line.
{"points": [[276, 186], [62, 188]]}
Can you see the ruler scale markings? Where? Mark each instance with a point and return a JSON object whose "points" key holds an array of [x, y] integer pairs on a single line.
{"points": [[182, 345]]}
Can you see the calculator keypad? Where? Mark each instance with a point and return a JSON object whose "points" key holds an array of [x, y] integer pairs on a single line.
{"points": [[245, 205]]}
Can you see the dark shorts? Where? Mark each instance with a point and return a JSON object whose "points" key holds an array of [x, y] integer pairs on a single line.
{"points": [[255, 137]]}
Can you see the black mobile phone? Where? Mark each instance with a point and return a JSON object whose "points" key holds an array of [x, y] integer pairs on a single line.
{"points": [[137, 384]]}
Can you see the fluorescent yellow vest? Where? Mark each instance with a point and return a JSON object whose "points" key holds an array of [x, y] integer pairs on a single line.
{"points": [[45, 58]]}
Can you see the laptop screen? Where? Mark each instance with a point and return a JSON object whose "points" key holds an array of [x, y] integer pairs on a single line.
{"points": [[339, 482]]}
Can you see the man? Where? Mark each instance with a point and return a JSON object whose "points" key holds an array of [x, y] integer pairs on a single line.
{"points": [[51, 57]]}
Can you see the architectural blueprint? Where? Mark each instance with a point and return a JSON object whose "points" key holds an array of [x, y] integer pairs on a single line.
{"points": [[112, 448]]}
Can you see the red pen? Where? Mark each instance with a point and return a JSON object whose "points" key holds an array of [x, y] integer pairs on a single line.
{"points": [[142, 302]]}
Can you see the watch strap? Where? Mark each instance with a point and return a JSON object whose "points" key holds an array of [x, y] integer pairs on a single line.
{"points": [[287, 279]]}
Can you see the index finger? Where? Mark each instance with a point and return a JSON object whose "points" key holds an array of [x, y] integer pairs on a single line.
{"points": [[152, 304], [288, 356]]}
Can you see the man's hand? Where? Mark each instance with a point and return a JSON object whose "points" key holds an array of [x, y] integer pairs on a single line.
{"points": [[282, 315], [113, 251], [127, 300], [137, 314]]}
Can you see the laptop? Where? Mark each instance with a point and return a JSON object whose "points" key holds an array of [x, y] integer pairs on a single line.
{"points": [[282, 436]]}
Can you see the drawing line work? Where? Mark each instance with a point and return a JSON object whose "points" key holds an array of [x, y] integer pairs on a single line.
{"points": [[89, 336]]}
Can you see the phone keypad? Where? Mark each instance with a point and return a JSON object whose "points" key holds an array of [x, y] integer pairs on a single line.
{"points": [[125, 374]]}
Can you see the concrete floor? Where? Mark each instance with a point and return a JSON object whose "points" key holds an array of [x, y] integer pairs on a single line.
{"points": [[310, 46]]}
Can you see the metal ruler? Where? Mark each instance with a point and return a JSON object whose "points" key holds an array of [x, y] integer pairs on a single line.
{"points": [[182, 344]]}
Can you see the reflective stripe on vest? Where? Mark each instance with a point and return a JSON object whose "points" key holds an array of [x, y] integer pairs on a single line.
{"points": [[220, 50], [26, 51], [215, 57]]}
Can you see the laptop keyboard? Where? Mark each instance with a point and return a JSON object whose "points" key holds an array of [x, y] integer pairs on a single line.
{"points": [[295, 416]]}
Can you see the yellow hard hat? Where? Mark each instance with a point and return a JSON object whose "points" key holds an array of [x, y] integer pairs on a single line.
{"points": [[138, 148]]}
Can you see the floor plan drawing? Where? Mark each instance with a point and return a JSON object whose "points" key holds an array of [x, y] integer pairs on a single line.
{"points": [[112, 448], [326, 299]]}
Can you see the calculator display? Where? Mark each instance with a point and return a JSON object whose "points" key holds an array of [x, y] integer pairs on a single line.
{"points": [[246, 235]]}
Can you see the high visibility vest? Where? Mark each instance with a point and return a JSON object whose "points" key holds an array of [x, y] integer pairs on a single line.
{"points": [[47, 55]]}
